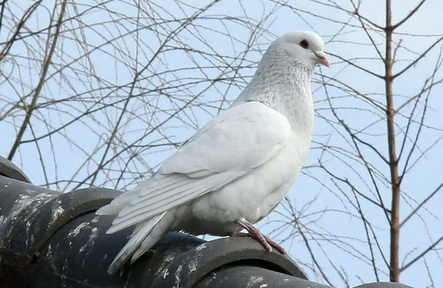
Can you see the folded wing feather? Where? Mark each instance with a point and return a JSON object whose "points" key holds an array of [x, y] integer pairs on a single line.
{"points": [[227, 148]]}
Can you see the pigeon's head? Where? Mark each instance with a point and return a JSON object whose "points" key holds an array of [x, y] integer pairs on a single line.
{"points": [[302, 46]]}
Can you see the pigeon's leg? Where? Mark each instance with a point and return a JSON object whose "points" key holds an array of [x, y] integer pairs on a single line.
{"points": [[253, 232]]}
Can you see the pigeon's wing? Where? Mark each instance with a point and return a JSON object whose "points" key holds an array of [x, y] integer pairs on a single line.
{"points": [[239, 139], [231, 145]]}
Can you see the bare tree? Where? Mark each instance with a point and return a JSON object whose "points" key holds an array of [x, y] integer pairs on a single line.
{"points": [[376, 159], [108, 81], [99, 92]]}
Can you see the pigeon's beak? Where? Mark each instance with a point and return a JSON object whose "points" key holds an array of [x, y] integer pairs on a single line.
{"points": [[322, 58]]}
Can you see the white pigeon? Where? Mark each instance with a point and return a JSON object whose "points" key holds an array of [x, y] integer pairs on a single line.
{"points": [[237, 168]]}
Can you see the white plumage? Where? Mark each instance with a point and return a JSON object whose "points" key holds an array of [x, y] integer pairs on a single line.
{"points": [[239, 166]]}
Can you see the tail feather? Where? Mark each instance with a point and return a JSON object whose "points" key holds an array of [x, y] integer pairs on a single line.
{"points": [[145, 235]]}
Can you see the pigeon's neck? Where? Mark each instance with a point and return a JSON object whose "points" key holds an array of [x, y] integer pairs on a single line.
{"points": [[286, 88]]}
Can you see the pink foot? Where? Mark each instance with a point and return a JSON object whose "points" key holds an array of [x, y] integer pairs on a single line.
{"points": [[253, 232]]}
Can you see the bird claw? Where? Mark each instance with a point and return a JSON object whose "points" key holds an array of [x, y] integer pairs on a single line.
{"points": [[264, 240]]}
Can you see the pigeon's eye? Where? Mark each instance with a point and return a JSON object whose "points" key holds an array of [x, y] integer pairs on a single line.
{"points": [[304, 43]]}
